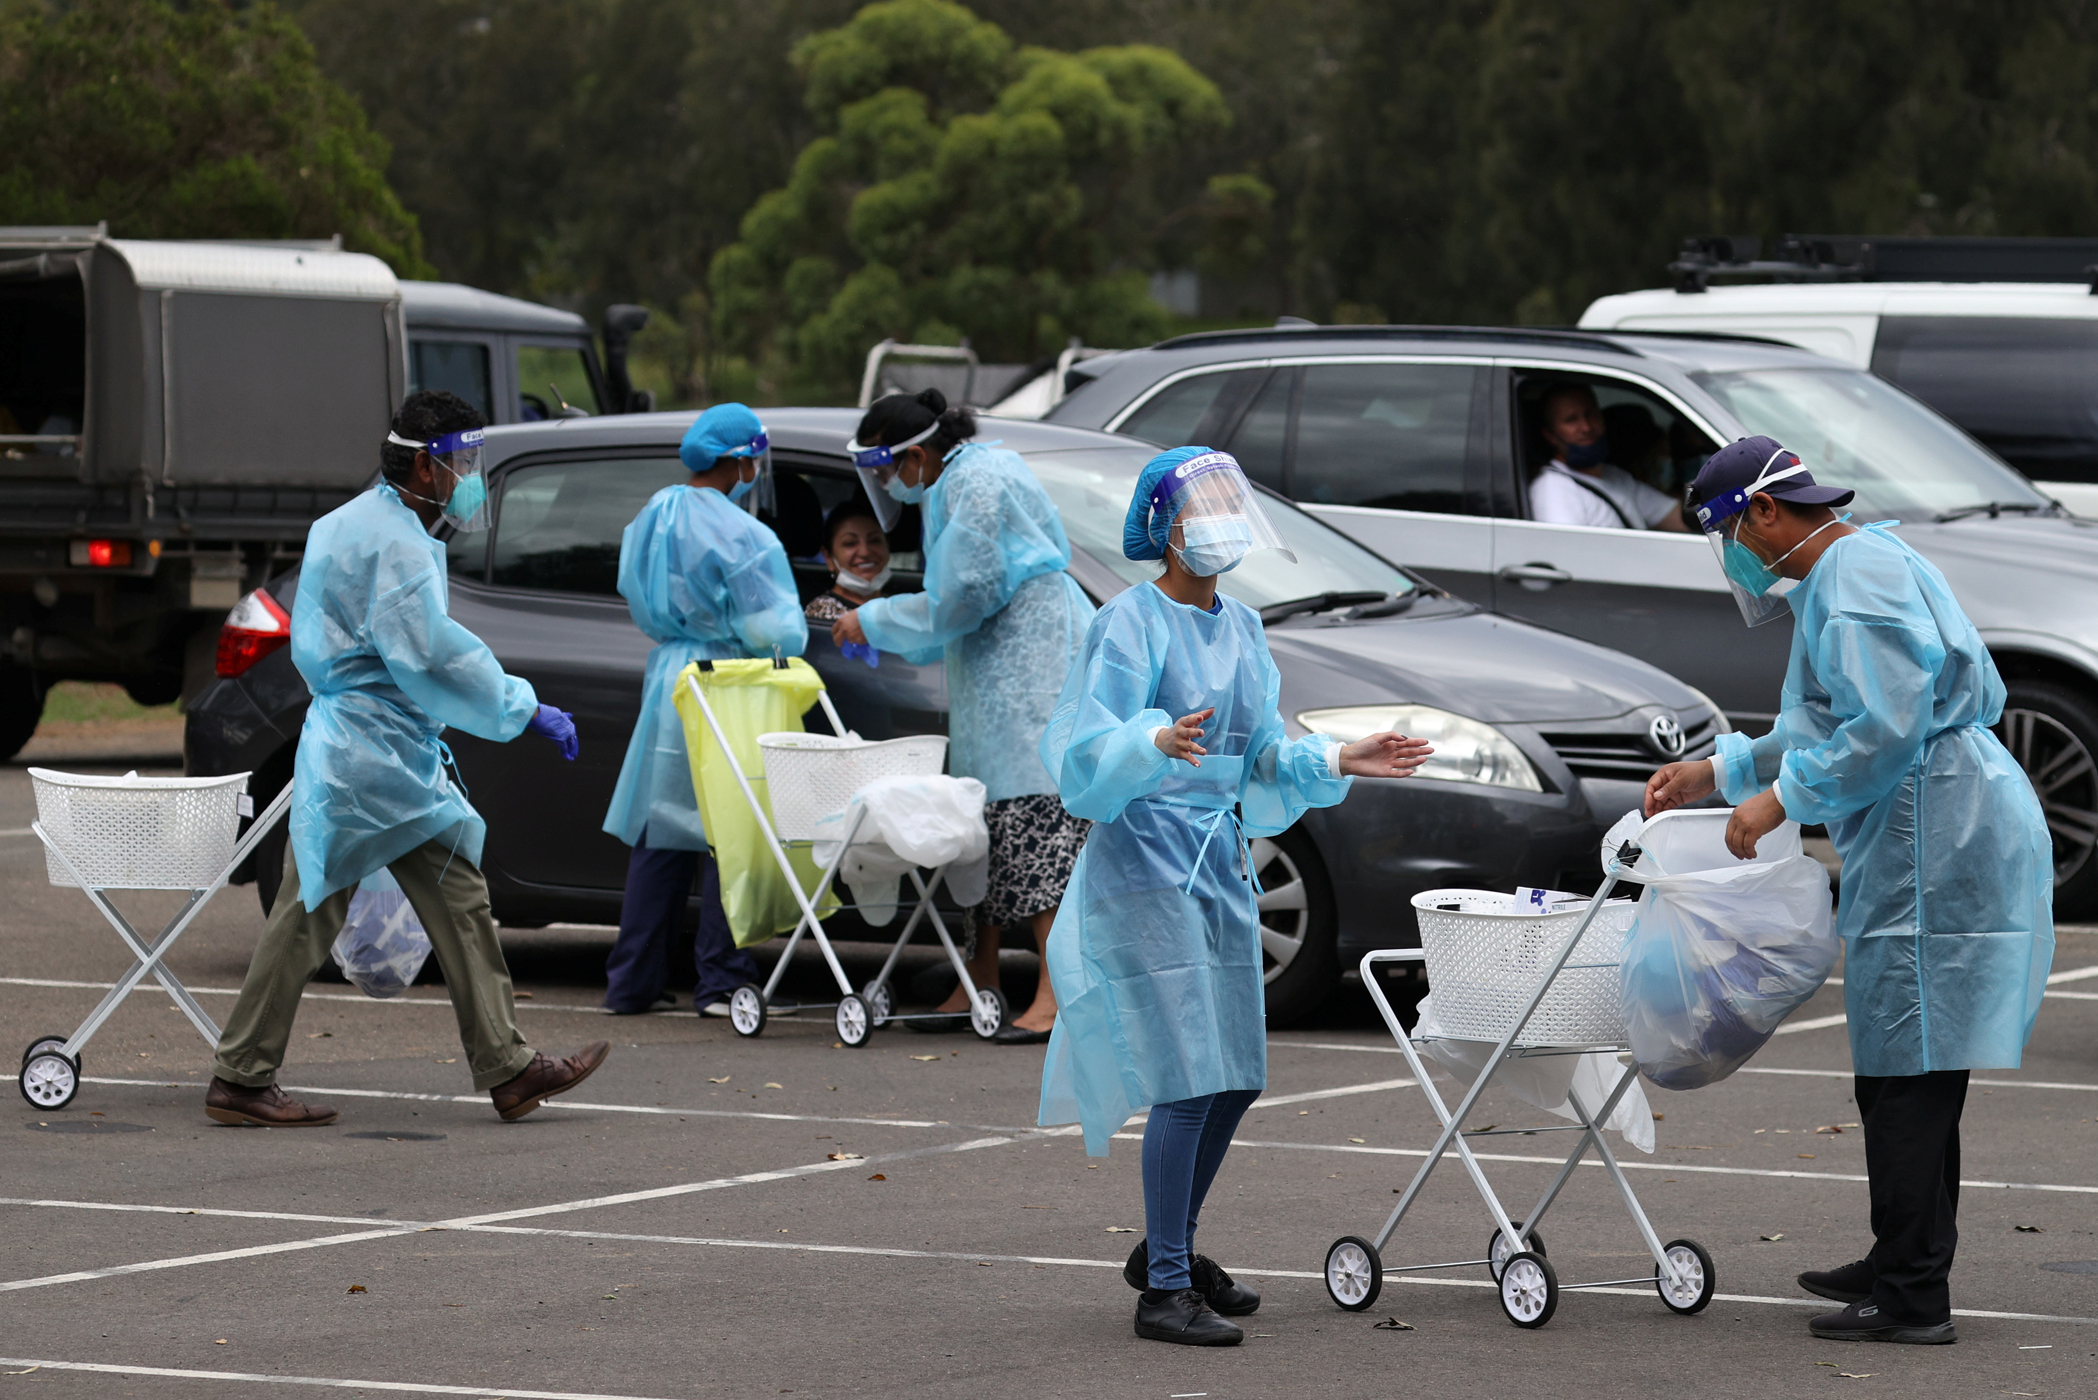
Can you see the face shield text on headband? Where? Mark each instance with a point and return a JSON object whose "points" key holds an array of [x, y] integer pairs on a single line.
{"points": [[459, 454]]}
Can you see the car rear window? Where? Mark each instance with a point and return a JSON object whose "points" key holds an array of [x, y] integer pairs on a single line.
{"points": [[1389, 435], [2027, 387], [557, 525]]}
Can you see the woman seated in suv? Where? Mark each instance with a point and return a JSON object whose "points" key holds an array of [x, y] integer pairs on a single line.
{"points": [[856, 550]]}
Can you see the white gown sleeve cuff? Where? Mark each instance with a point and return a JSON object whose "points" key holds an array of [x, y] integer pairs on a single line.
{"points": [[1333, 758], [1718, 772], [1156, 732]]}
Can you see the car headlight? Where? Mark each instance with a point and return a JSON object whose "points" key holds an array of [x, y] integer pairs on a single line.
{"points": [[1466, 750]]}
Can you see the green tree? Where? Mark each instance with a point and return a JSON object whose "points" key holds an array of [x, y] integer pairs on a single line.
{"points": [[965, 186], [199, 122]]}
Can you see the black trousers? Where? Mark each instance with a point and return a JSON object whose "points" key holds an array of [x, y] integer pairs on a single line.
{"points": [[658, 883], [1912, 1158]]}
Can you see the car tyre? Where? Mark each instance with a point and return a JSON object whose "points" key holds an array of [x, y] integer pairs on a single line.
{"points": [[1299, 926], [21, 707], [2052, 731]]}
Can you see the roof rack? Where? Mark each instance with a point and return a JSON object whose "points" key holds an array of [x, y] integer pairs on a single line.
{"points": [[1821, 257], [1291, 327]]}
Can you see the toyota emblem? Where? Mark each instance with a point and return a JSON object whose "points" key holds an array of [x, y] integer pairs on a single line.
{"points": [[1666, 736]]}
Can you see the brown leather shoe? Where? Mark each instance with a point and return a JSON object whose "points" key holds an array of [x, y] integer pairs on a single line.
{"points": [[544, 1078], [267, 1107]]}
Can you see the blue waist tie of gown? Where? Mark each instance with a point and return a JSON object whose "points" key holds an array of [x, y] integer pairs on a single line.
{"points": [[1212, 821]]}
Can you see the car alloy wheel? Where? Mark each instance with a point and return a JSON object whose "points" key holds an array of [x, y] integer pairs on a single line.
{"points": [[2052, 733], [1285, 907]]}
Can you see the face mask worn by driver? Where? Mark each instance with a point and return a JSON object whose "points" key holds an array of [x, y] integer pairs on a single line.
{"points": [[1581, 455], [864, 585], [459, 454]]}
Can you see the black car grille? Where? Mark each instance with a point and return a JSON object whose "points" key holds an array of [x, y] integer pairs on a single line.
{"points": [[1626, 755]]}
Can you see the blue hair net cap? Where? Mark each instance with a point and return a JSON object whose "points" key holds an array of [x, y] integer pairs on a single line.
{"points": [[1143, 533], [725, 430]]}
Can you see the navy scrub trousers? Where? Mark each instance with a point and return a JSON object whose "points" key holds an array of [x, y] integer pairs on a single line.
{"points": [[658, 883]]}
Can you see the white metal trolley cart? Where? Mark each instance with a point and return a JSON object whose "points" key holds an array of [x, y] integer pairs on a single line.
{"points": [[131, 833], [1535, 985], [812, 776]]}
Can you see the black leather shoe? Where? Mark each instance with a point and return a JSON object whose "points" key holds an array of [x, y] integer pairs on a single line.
{"points": [[1182, 1317], [1868, 1322], [1850, 1284], [1016, 1035], [1223, 1293]]}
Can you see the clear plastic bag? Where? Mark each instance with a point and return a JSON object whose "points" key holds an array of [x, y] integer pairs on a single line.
{"points": [[382, 944], [1721, 950]]}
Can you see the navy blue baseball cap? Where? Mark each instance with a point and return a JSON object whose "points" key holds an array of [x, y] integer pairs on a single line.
{"points": [[1755, 466]]}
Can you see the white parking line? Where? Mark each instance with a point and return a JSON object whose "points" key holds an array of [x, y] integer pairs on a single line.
{"points": [[1985, 1083], [398, 1228], [413, 1387], [1278, 1100]]}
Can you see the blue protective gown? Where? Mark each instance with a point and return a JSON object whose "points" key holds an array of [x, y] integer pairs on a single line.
{"points": [[1156, 961], [998, 603], [706, 581], [1948, 875], [389, 671]]}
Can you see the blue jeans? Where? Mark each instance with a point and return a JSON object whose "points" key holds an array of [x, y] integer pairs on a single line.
{"points": [[658, 884], [1184, 1144]]}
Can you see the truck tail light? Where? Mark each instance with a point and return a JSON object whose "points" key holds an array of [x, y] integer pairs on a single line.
{"points": [[257, 626], [99, 554]]}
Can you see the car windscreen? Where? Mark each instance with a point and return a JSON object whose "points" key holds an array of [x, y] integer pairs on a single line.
{"points": [[1091, 489], [1856, 430]]}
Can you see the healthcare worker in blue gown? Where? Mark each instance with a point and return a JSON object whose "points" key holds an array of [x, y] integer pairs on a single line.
{"points": [[999, 607], [1947, 906], [390, 671], [1168, 737], [706, 581]]}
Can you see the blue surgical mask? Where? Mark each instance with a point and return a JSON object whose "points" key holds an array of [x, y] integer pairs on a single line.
{"points": [[1592, 454], [909, 495], [466, 507], [1747, 569], [1214, 544], [741, 489]]}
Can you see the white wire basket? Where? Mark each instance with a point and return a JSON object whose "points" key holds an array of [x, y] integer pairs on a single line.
{"points": [[810, 776], [134, 833], [1485, 952]]}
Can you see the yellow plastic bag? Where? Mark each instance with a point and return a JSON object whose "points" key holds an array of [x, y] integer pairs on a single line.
{"points": [[748, 698]]}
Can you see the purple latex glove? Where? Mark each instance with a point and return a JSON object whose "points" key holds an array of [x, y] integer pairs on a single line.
{"points": [[860, 651], [557, 725]]}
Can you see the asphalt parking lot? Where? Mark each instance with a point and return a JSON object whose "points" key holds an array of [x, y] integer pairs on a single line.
{"points": [[715, 1216]]}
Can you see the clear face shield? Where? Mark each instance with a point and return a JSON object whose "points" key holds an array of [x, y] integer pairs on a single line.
{"points": [[1217, 512], [757, 493], [1759, 591], [464, 490], [878, 466]]}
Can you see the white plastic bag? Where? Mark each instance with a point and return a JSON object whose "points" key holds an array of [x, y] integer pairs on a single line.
{"points": [[382, 944], [1546, 1080], [911, 822], [1722, 950]]}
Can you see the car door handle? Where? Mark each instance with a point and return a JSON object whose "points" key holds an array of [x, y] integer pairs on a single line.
{"points": [[1536, 572]]}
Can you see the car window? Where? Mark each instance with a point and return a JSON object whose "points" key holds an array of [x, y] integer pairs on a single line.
{"points": [[1389, 435], [1261, 443], [545, 371], [1092, 488], [1659, 446], [1194, 411], [456, 366], [2026, 386], [557, 526], [1854, 429]]}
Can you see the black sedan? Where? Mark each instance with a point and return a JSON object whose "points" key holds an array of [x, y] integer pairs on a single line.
{"points": [[1542, 739]]}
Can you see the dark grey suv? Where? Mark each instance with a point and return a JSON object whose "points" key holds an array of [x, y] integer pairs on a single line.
{"points": [[1543, 739], [1421, 442]]}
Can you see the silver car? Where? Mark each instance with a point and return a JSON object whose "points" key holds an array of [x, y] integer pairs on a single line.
{"points": [[1421, 442]]}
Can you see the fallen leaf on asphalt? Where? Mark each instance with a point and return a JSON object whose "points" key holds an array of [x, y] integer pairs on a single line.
{"points": [[454, 1305], [1771, 1239], [1392, 1324], [771, 1085], [1092, 1166], [1830, 1364], [2028, 1229], [846, 1156], [452, 1061], [983, 1264], [522, 996], [22, 1373], [358, 1288], [1857, 1375], [877, 1177], [723, 1080], [1830, 1128], [321, 1035], [1659, 1116], [1765, 1130], [1123, 1230], [925, 1057], [1357, 1139], [1687, 1147], [220, 1342], [1806, 1156]]}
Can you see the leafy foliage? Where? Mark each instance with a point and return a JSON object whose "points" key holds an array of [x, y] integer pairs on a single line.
{"points": [[199, 122], [965, 186]]}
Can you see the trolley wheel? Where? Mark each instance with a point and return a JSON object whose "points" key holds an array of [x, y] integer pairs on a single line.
{"points": [[1699, 1277], [1529, 1289], [880, 1003], [1354, 1273], [746, 1009], [1498, 1249], [989, 1012], [41, 1044], [854, 1021], [49, 1079]]}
